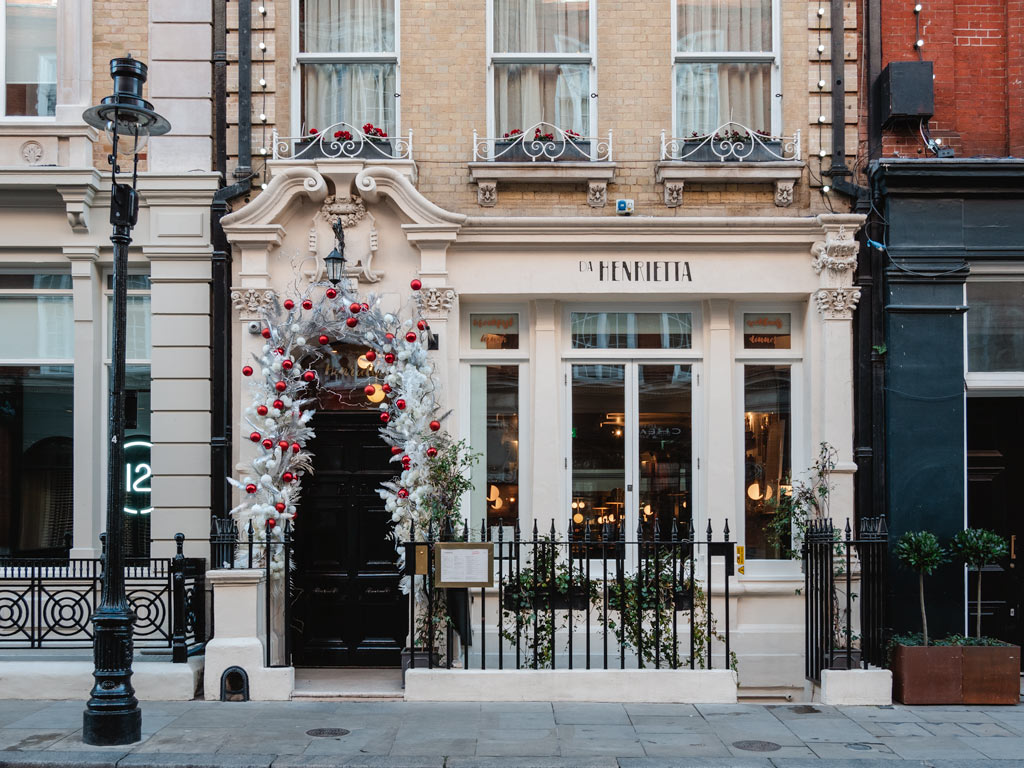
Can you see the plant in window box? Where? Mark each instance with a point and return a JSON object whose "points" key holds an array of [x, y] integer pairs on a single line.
{"points": [[732, 145], [370, 143], [548, 145]]}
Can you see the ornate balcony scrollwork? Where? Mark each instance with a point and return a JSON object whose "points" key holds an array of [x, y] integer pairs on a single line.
{"points": [[341, 141], [733, 142], [542, 142]]}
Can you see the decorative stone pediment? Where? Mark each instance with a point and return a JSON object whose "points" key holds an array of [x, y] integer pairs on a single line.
{"points": [[348, 210], [837, 253]]}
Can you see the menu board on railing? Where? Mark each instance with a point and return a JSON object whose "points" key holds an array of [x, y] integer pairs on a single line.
{"points": [[463, 564]]}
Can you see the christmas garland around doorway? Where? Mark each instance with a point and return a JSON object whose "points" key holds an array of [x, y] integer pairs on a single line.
{"points": [[298, 332]]}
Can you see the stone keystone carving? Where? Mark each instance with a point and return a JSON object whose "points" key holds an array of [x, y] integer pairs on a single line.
{"points": [[597, 193], [436, 302], [837, 303], [487, 194], [837, 254], [249, 301], [348, 210], [673, 194]]}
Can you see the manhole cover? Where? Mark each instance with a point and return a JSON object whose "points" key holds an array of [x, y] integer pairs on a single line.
{"points": [[859, 747], [327, 732], [804, 709], [757, 746]]}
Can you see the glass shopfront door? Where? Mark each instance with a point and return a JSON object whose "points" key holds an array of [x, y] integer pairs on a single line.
{"points": [[631, 449]]}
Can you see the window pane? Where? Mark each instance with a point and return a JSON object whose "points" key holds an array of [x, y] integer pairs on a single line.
{"points": [[710, 94], [631, 330], [347, 26], [352, 93], [135, 282], [36, 448], [45, 327], [31, 64], [995, 326], [42, 282], [529, 26], [527, 94], [765, 330], [499, 331], [138, 327], [724, 25], [495, 430], [767, 434]]}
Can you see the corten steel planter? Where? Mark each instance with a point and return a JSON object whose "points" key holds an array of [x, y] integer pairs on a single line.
{"points": [[927, 674], [991, 674]]}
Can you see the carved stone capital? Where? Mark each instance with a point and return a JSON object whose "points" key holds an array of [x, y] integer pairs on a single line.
{"points": [[597, 193], [673, 194], [487, 193], [837, 303], [250, 301], [837, 254], [348, 210], [436, 303], [784, 193]]}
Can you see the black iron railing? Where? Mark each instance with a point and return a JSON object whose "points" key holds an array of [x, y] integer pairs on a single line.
{"points": [[595, 600], [49, 602], [273, 553], [844, 595]]}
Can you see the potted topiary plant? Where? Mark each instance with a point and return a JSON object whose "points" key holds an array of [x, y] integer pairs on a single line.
{"points": [[991, 669]]}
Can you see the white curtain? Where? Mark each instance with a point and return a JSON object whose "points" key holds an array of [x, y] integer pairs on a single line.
{"points": [[526, 94], [709, 94], [355, 93]]}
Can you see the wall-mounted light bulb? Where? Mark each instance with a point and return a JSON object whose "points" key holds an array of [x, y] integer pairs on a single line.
{"points": [[263, 150], [938, 142], [821, 49], [919, 44], [821, 153], [262, 46], [821, 85], [263, 10], [826, 189], [821, 11], [263, 83], [821, 118], [917, 8], [263, 186], [263, 118]]}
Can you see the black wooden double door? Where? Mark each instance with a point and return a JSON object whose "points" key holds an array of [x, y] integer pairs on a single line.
{"points": [[348, 610]]}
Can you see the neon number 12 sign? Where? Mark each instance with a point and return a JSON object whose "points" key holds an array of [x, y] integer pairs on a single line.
{"points": [[137, 474]]}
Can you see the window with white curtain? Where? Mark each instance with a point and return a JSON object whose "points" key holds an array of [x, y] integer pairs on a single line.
{"points": [[29, 32], [725, 64], [542, 64], [348, 63]]}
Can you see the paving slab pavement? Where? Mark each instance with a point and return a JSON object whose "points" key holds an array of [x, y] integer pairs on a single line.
{"points": [[397, 734]]}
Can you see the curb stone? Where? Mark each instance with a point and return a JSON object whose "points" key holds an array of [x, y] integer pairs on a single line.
{"points": [[194, 760], [59, 759], [358, 761], [532, 762]]}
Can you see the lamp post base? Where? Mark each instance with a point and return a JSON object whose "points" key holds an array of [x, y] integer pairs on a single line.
{"points": [[104, 729]]}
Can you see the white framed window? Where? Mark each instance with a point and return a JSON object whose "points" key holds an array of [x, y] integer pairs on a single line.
{"points": [[346, 65], [541, 69], [994, 327], [726, 61], [28, 29]]}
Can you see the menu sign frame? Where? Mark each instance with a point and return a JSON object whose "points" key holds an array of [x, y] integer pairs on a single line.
{"points": [[463, 564]]}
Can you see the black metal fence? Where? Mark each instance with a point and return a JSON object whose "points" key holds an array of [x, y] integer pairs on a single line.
{"points": [[49, 602], [272, 553], [844, 589], [590, 601]]}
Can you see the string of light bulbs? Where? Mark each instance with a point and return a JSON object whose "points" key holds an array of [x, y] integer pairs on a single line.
{"points": [[822, 153], [262, 45]]}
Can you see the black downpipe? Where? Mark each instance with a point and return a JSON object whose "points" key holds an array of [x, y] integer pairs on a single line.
{"points": [[220, 284], [838, 172]]}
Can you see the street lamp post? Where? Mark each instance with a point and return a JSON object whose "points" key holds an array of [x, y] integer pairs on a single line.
{"points": [[112, 715]]}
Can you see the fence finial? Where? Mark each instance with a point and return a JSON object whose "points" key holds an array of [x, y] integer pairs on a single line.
{"points": [[709, 529], [179, 543], [675, 530], [725, 532]]}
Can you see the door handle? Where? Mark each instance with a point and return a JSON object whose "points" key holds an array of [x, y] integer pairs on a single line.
{"points": [[1013, 547]]}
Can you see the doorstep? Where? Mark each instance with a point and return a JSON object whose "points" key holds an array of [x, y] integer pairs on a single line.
{"points": [[327, 684]]}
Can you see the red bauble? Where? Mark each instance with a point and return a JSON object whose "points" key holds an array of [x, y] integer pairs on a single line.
{"points": [[435, 425], [255, 437], [280, 386], [268, 443], [369, 389], [330, 293], [415, 284], [411, 336], [385, 417], [365, 307], [247, 370], [271, 522], [279, 404], [406, 459], [422, 325], [370, 355], [309, 376], [400, 405], [287, 364], [287, 477], [289, 304], [262, 410], [386, 387], [402, 493], [395, 450], [354, 308], [431, 452], [283, 445], [389, 336], [280, 507], [307, 304], [389, 358], [265, 333], [323, 339], [296, 447], [351, 322], [250, 488]]}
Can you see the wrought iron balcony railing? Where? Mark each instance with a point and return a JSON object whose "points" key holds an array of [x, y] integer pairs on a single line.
{"points": [[341, 141], [543, 143], [731, 141]]}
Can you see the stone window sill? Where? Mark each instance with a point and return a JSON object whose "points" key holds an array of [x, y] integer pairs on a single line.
{"points": [[486, 176], [782, 173]]}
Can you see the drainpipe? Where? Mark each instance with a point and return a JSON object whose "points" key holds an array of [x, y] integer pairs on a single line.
{"points": [[839, 172], [220, 284]]}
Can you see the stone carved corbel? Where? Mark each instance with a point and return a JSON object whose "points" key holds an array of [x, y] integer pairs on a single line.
{"points": [[784, 193], [487, 193], [436, 303], [673, 194], [597, 193], [837, 254], [249, 301], [837, 303]]}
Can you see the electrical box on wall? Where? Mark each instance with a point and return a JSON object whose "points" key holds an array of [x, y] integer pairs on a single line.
{"points": [[906, 91]]}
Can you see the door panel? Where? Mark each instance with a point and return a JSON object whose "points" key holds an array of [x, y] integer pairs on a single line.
{"points": [[349, 610]]}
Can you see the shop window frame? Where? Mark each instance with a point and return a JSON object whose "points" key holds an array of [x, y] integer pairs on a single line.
{"points": [[991, 382]]}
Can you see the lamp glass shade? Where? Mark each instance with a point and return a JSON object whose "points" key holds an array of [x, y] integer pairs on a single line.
{"points": [[335, 264]]}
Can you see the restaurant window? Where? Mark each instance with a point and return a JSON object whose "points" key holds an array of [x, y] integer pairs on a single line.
{"points": [[348, 63], [767, 330], [767, 441], [494, 427], [30, 57], [995, 326], [631, 330], [36, 415], [542, 64], [725, 61], [494, 331]]}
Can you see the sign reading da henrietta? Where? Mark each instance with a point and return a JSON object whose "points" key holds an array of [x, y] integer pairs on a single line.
{"points": [[639, 271]]}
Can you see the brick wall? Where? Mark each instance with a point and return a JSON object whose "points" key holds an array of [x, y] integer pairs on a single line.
{"points": [[977, 50]]}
